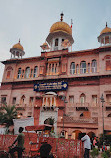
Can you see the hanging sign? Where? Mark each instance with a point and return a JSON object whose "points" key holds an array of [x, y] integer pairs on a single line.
{"points": [[51, 86]]}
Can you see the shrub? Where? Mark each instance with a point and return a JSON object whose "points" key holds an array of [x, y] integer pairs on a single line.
{"points": [[106, 154], [94, 152]]}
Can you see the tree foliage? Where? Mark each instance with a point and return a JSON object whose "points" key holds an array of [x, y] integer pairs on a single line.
{"points": [[7, 115]]}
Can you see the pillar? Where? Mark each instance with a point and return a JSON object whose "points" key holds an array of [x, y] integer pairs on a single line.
{"points": [[50, 101], [54, 101], [43, 102]]}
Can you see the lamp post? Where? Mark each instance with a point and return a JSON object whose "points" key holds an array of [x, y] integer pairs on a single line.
{"points": [[102, 101], [65, 101]]}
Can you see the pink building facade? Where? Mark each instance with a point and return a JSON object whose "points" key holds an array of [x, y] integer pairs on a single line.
{"points": [[63, 85]]}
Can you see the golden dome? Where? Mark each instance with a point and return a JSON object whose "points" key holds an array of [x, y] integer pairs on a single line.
{"points": [[18, 46], [45, 44], [61, 26], [106, 30]]}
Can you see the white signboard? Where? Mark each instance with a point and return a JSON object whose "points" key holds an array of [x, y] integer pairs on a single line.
{"points": [[22, 123]]}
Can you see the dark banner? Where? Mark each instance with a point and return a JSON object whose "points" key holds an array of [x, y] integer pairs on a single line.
{"points": [[51, 86]]}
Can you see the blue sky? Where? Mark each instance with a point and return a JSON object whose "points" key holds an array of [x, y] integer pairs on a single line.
{"points": [[30, 20]]}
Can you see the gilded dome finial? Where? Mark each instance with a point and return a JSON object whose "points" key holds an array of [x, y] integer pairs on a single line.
{"points": [[61, 19], [106, 24]]}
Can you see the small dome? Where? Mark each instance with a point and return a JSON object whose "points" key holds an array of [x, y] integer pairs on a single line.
{"points": [[106, 30], [44, 46], [18, 46], [61, 26]]}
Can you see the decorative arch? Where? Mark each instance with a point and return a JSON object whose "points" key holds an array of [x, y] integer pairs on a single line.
{"points": [[75, 134], [8, 72], [108, 62], [27, 72], [49, 121], [9, 68], [22, 100], [83, 67], [91, 134], [82, 98], [35, 71], [94, 66], [72, 68], [107, 57]]}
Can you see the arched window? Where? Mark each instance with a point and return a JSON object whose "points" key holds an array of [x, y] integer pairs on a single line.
{"points": [[108, 63], [94, 66], [56, 42], [35, 71], [8, 74], [72, 68], [9, 70], [75, 134], [83, 67], [22, 101], [19, 73], [82, 98], [77, 69], [27, 72]]}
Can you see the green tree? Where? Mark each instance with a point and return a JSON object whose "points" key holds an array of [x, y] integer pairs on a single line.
{"points": [[9, 113]]}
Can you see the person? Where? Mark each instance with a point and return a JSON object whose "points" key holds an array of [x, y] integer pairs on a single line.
{"points": [[20, 144], [87, 145], [94, 142], [104, 148], [45, 150]]}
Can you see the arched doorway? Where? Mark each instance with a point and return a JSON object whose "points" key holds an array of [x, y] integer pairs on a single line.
{"points": [[91, 134], [49, 121], [64, 134], [75, 134]]}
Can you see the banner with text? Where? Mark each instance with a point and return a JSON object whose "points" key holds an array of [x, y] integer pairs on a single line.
{"points": [[51, 86]]}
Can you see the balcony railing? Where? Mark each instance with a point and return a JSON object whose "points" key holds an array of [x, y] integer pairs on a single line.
{"points": [[23, 107], [108, 104], [82, 104], [49, 108], [83, 120]]}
